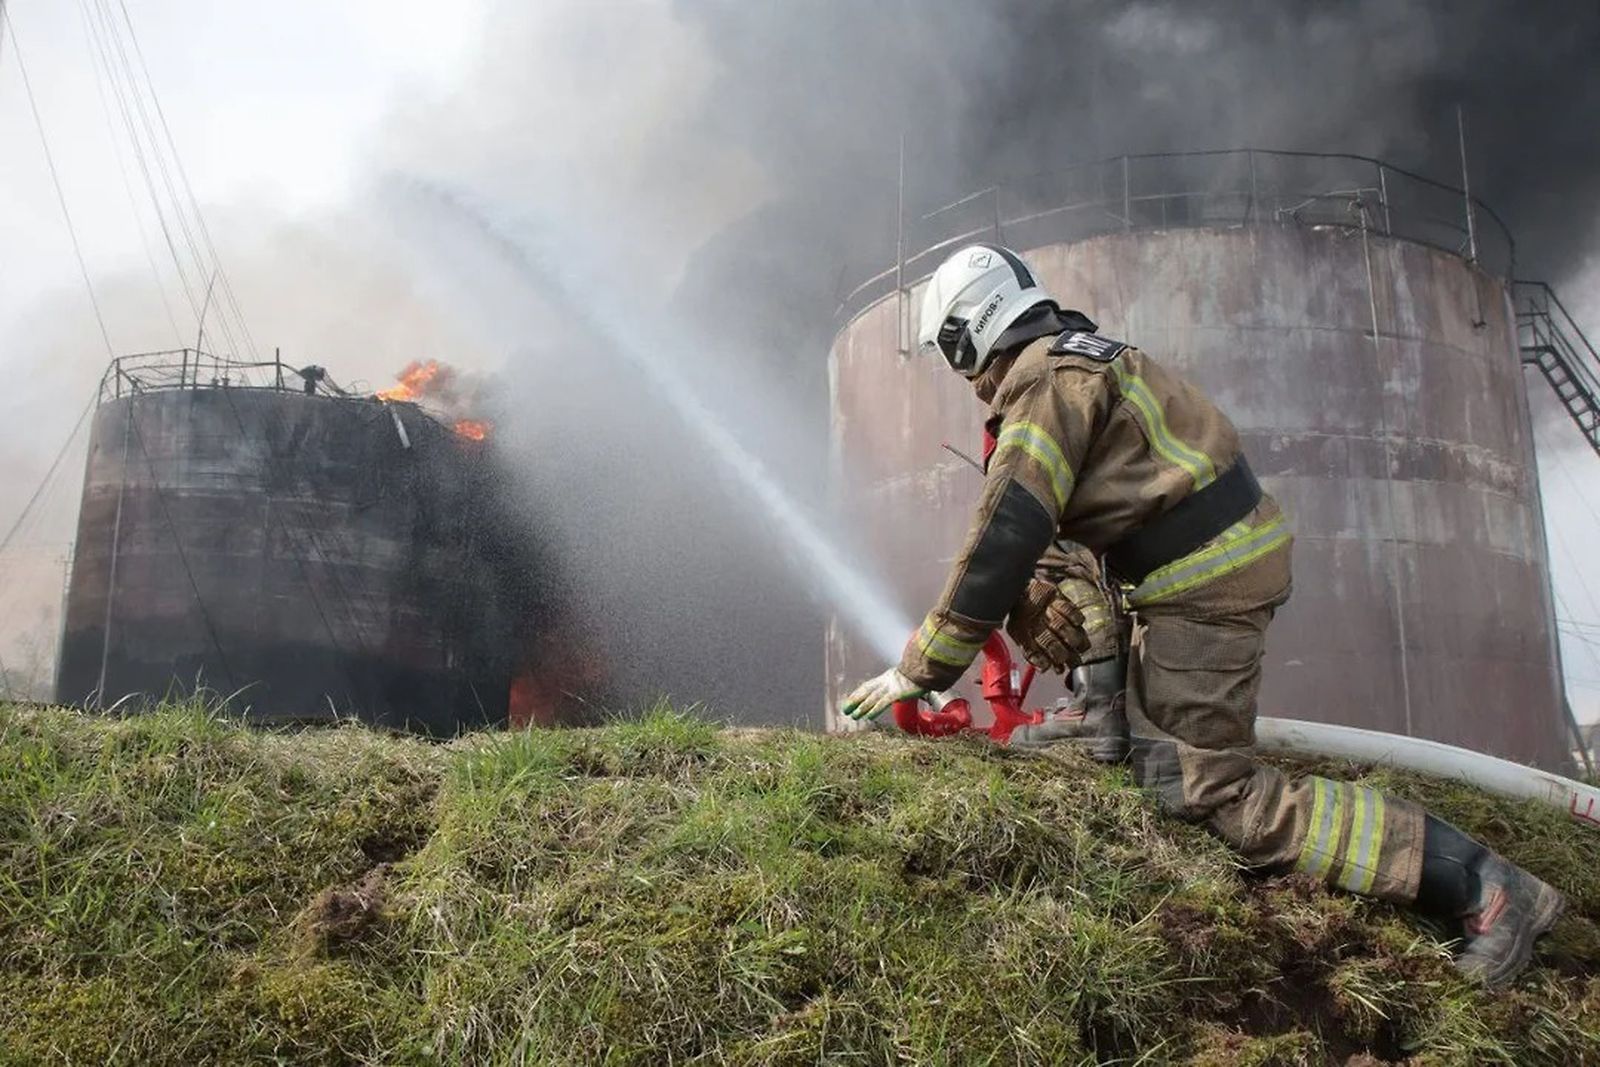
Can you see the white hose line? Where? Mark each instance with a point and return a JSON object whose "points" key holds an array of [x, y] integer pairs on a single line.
{"points": [[1494, 775]]}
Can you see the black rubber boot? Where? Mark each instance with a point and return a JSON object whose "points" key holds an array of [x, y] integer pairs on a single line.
{"points": [[1502, 908], [1096, 719]]}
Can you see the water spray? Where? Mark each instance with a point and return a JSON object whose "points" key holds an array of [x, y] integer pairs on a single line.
{"points": [[553, 264]]}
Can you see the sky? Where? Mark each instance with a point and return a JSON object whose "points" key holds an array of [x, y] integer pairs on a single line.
{"points": [[283, 113]]}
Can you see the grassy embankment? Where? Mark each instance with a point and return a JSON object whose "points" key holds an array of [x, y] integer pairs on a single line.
{"points": [[174, 889]]}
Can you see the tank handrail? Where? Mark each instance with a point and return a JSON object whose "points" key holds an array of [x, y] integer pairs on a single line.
{"points": [[1402, 203], [183, 368], [1353, 157]]}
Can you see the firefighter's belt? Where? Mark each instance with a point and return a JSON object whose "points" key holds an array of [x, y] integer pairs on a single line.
{"points": [[1187, 525]]}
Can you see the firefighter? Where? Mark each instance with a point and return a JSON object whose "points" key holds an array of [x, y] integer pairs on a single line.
{"points": [[1098, 443]]}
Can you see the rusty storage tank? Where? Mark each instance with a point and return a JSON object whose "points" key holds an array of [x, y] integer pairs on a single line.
{"points": [[316, 554], [1355, 322]]}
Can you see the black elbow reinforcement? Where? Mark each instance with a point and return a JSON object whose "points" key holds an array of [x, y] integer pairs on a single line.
{"points": [[1019, 531]]}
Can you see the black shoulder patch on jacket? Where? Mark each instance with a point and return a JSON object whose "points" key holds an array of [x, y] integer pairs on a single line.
{"points": [[1092, 345], [1002, 561]]}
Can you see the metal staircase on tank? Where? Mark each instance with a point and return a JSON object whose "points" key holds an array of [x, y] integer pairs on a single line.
{"points": [[1552, 341]]}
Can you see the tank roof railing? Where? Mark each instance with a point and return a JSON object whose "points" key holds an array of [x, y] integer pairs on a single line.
{"points": [[1227, 188], [189, 368]]}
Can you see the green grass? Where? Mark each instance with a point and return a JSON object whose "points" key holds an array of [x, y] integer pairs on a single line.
{"points": [[175, 889]]}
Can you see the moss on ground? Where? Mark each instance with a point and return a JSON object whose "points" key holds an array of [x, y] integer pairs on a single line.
{"points": [[174, 889]]}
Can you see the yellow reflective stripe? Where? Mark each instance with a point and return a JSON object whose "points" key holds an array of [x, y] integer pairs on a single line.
{"points": [[1322, 832], [1095, 619], [1376, 851], [1228, 554], [942, 648], [1196, 464], [1360, 867], [1359, 826], [1031, 439], [1306, 850]]}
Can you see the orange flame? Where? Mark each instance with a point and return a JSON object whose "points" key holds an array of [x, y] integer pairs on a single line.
{"points": [[473, 430], [413, 380]]}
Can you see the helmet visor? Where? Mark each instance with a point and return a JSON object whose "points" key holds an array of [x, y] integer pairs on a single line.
{"points": [[954, 343]]}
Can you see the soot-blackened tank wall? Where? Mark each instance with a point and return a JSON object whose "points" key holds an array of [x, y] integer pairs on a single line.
{"points": [[1378, 391], [300, 549]]}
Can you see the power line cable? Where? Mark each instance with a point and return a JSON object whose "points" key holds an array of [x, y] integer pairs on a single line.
{"points": [[120, 52], [119, 93], [1589, 646], [114, 58], [55, 179], [100, 79], [210, 264], [183, 174], [1577, 573], [1577, 490], [49, 473], [1561, 542]]}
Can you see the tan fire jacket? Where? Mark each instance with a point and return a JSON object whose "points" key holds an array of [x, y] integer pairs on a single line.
{"points": [[1095, 439]]}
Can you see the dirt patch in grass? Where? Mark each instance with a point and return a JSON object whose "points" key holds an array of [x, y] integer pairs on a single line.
{"points": [[338, 916]]}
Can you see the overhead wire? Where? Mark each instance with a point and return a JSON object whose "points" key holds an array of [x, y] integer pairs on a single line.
{"points": [[55, 180], [1590, 645], [49, 473], [119, 93], [183, 174], [100, 80], [29, 511], [142, 134], [191, 220], [1558, 461], [117, 49]]}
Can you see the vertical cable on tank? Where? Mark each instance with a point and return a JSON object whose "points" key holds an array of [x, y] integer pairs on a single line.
{"points": [[116, 540], [1388, 481]]}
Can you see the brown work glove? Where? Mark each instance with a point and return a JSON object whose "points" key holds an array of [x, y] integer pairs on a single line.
{"points": [[1048, 627]]}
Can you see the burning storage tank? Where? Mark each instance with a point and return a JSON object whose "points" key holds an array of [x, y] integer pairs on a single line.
{"points": [[314, 553], [1355, 322]]}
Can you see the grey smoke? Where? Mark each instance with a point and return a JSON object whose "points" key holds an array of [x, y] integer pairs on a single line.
{"points": [[819, 93]]}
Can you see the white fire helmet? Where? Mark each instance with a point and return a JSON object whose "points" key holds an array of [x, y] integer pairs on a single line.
{"points": [[970, 301]]}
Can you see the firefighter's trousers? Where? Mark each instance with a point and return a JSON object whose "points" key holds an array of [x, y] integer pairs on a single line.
{"points": [[1194, 673]]}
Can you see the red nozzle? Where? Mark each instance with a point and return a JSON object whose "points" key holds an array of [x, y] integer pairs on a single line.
{"points": [[1004, 698]]}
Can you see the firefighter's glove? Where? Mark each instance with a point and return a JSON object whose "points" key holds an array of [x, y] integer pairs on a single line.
{"points": [[877, 695], [1048, 627]]}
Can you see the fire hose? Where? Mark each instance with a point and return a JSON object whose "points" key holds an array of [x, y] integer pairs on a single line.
{"points": [[1005, 693]]}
